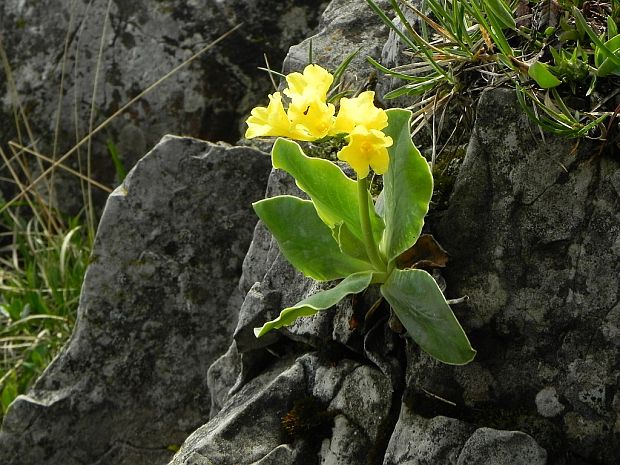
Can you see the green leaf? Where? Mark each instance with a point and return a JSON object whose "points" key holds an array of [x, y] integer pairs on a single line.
{"points": [[612, 28], [605, 64], [9, 393], [492, 27], [600, 46], [305, 241], [501, 13], [339, 73], [404, 77], [349, 244], [121, 172], [319, 301], [407, 188], [543, 77], [333, 193], [422, 309], [418, 88]]}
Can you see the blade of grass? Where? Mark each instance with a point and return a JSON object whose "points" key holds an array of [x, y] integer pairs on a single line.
{"points": [[62, 167], [584, 25]]}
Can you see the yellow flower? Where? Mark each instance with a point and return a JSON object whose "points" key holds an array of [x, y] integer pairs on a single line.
{"points": [[367, 148], [269, 121], [311, 117], [313, 83], [359, 111]]}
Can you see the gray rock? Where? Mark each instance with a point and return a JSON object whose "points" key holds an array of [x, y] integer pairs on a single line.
{"points": [[252, 315], [222, 377], [488, 446], [345, 446], [264, 250], [300, 410], [142, 42], [345, 27], [248, 428], [531, 229], [154, 313], [421, 441], [547, 402]]}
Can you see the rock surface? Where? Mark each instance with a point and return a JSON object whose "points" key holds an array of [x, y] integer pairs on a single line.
{"points": [[143, 41], [492, 447], [425, 441], [300, 410], [157, 308], [345, 27], [536, 250]]}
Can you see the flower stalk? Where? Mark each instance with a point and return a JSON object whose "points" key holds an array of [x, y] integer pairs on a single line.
{"points": [[369, 241]]}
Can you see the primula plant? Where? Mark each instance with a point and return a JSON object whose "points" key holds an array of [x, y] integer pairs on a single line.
{"points": [[341, 233]]}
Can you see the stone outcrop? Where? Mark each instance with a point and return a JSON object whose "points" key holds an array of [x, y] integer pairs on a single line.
{"points": [[158, 306], [300, 410], [443, 440], [345, 27], [533, 230], [55, 42]]}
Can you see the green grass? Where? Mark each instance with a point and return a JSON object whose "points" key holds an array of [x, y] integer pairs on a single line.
{"points": [[40, 278], [561, 58]]}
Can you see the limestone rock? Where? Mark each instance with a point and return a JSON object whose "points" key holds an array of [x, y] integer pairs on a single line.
{"points": [[448, 441], [154, 313], [300, 410], [142, 41], [532, 229], [345, 27], [222, 377], [422, 441], [488, 446]]}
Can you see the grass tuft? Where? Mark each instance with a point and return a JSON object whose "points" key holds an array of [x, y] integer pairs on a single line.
{"points": [[41, 274], [561, 58]]}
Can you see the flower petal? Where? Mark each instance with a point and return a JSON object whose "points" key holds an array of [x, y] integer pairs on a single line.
{"points": [[314, 82], [366, 148], [311, 116], [269, 121], [359, 111]]}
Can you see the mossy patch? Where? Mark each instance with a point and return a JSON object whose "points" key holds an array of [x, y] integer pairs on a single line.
{"points": [[445, 172]]}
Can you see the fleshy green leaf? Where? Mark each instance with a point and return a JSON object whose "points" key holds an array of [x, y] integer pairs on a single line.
{"points": [[305, 241], [422, 309], [407, 188], [349, 244], [333, 193], [320, 301], [543, 77]]}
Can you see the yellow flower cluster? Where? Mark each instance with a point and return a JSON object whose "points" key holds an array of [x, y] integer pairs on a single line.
{"points": [[310, 117]]}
